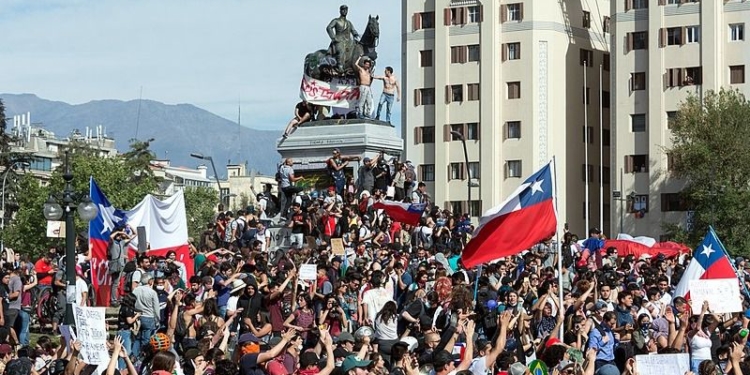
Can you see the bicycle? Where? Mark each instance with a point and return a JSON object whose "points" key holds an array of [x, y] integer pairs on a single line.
{"points": [[45, 307]]}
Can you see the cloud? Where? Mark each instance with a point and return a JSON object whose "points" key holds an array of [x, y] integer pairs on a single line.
{"points": [[211, 54]]}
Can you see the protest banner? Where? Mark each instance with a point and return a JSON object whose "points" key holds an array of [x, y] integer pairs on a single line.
{"points": [[91, 331], [723, 295], [308, 272], [340, 92], [663, 364], [337, 246]]}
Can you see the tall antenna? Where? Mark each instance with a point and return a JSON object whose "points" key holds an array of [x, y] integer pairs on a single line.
{"points": [[138, 116]]}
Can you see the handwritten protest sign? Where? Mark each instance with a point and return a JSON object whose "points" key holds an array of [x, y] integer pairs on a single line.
{"points": [[308, 272], [723, 295], [663, 364], [91, 329], [337, 246]]}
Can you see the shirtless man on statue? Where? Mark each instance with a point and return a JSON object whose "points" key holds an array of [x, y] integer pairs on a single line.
{"points": [[390, 89], [364, 107]]}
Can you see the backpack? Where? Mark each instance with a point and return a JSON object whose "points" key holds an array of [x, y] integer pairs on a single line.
{"points": [[599, 328], [271, 208], [129, 270], [277, 176]]}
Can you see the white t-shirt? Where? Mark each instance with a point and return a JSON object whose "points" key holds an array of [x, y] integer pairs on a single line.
{"points": [[262, 203], [81, 287], [375, 299], [386, 330], [479, 366]]}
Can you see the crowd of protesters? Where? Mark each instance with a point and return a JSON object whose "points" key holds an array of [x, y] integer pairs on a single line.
{"points": [[396, 301]]}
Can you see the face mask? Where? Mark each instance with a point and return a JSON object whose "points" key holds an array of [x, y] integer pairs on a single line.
{"points": [[338, 363], [299, 347], [160, 287]]}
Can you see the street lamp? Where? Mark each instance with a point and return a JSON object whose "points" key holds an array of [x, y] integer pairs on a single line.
{"points": [[87, 211], [468, 171], [198, 155], [13, 166]]}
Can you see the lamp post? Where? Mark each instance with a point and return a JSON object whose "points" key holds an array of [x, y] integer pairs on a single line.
{"points": [[468, 171], [2, 206], [87, 211], [198, 155]]}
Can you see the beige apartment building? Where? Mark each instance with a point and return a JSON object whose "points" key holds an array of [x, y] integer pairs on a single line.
{"points": [[509, 76], [663, 51]]}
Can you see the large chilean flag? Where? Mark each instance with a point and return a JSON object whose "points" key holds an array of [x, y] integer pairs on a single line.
{"points": [[710, 261], [527, 217], [166, 229], [407, 213]]}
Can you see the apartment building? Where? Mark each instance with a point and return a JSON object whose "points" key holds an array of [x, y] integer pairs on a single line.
{"points": [[509, 77], [663, 51]]}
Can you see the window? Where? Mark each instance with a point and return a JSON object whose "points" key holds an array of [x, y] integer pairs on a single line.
{"points": [[674, 36], [606, 24], [513, 169], [456, 171], [671, 162], [636, 163], [637, 40], [605, 62], [692, 34], [737, 74], [474, 14], [587, 170], [472, 131], [458, 128], [637, 81], [454, 93], [427, 172], [513, 12], [512, 51], [423, 20], [588, 134], [425, 58], [586, 95], [638, 123], [693, 76], [605, 137], [41, 164], [605, 99], [475, 208], [671, 118], [514, 90], [513, 130], [640, 4], [455, 206], [587, 57], [424, 96], [586, 19], [424, 134], [736, 32], [459, 54], [673, 202], [473, 52], [639, 203], [472, 91], [674, 1], [474, 169], [604, 178]]}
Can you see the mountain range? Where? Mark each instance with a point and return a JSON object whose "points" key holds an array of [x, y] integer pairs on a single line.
{"points": [[177, 130]]}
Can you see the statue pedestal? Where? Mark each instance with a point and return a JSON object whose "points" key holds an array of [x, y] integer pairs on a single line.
{"points": [[313, 142]]}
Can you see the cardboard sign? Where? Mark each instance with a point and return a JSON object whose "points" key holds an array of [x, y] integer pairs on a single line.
{"points": [[723, 295], [91, 329], [308, 272], [663, 364], [337, 246]]}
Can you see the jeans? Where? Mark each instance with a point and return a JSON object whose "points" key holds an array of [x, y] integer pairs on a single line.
{"points": [[23, 332], [127, 344], [339, 183], [694, 363], [364, 106], [388, 100], [148, 328], [114, 292]]}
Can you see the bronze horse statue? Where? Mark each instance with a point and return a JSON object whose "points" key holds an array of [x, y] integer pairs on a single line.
{"points": [[322, 64]]}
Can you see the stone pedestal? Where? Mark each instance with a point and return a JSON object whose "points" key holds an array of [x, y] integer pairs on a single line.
{"points": [[313, 142]]}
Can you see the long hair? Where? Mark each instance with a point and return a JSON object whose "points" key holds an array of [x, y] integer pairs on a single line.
{"points": [[388, 312], [163, 361], [210, 307]]}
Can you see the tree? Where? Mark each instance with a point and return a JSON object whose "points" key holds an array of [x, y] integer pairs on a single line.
{"points": [[199, 208], [115, 176], [710, 139]]}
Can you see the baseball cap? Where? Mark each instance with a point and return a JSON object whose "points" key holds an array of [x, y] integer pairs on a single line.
{"points": [[552, 341], [517, 368], [340, 353], [346, 337], [336, 259], [213, 258], [599, 305], [247, 337], [366, 159], [5, 349], [351, 362]]}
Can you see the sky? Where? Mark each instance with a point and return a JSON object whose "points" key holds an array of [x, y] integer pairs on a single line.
{"points": [[218, 55]]}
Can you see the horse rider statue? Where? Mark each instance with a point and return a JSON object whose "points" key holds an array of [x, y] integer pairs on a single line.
{"points": [[343, 38]]}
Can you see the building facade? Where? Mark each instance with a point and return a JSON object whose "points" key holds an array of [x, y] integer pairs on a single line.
{"points": [[509, 77], [664, 51]]}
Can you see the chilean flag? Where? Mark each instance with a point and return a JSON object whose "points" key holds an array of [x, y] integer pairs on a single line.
{"points": [[166, 229], [527, 217], [407, 213], [709, 262]]}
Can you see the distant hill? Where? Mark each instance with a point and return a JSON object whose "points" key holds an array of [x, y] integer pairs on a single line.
{"points": [[177, 130]]}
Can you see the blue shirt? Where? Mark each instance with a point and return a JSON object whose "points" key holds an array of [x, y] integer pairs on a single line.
{"points": [[222, 293], [604, 351], [623, 317]]}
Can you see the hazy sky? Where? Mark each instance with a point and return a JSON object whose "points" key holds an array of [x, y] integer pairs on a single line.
{"points": [[212, 54]]}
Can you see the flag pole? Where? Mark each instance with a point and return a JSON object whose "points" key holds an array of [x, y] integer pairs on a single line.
{"points": [[586, 144], [559, 245], [726, 254], [601, 151]]}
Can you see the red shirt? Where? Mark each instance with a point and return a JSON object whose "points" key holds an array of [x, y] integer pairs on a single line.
{"points": [[42, 269]]}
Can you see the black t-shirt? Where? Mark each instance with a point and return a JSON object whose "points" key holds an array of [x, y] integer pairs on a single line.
{"points": [[302, 109], [249, 365], [122, 322], [297, 227]]}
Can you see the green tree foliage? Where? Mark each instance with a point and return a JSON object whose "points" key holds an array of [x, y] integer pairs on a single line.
{"points": [[116, 176], [199, 206], [710, 139]]}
